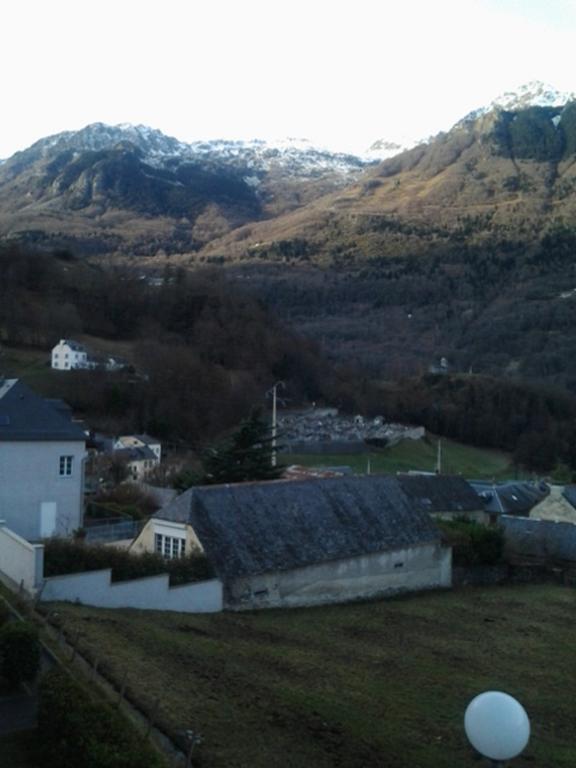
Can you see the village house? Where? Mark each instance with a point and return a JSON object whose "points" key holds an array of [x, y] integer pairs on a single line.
{"points": [[68, 355], [445, 497], [141, 453], [42, 454], [289, 543]]}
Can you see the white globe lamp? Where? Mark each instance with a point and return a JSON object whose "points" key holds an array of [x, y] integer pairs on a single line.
{"points": [[497, 726]]}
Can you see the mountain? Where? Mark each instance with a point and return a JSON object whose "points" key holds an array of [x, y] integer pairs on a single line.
{"points": [[462, 247], [498, 172], [132, 189]]}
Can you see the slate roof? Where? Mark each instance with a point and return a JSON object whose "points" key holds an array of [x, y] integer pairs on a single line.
{"points": [[24, 415], [75, 346], [136, 453], [252, 528], [516, 498], [569, 494], [441, 493]]}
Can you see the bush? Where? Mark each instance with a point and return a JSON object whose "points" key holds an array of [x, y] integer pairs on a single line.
{"points": [[472, 543], [4, 613], [19, 652], [62, 556], [125, 500], [78, 730]]}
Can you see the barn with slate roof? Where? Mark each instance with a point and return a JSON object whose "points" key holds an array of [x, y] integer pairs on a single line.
{"points": [[290, 543]]}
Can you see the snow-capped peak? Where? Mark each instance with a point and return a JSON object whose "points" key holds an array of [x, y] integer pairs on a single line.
{"points": [[533, 94]]}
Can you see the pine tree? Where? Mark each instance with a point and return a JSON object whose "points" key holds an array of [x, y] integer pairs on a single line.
{"points": [[246, 455]]}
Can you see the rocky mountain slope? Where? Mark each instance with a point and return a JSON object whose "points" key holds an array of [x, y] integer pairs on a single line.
{"points": [[132, 189], [462, 247], [499, 172]]}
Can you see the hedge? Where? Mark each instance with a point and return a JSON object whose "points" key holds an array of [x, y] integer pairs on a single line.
{"points": [[76, 729], [63, 556], [473, 543]]}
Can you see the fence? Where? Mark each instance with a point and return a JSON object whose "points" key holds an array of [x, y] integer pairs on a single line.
{"points": [[112, 529], [152, 593]]}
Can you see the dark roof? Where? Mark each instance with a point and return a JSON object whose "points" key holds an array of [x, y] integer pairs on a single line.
{"points": [[441, 493], [514, 498], [136, 453], [252, 528], [74, 345], [24, 415], [569, 494]]}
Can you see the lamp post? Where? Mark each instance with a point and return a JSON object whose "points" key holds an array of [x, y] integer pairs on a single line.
{"points": [[497, 726]]}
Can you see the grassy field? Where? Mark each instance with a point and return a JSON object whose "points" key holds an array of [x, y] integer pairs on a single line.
{"points": [[366, 685], [457, 459]]}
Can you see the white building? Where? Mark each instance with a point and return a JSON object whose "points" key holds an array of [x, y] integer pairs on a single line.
{"points": [[42, 454], [68, 354]]}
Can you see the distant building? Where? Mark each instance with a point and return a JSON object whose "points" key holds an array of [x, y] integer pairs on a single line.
{"points": [[68, 355], [42, 454], [142, 454]]}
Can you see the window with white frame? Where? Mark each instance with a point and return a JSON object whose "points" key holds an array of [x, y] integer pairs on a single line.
{"points": [[66, 466], [169, 546]]}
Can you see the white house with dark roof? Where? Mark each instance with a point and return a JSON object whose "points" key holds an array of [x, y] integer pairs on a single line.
{"points": [[142, 454], [293, 543], [68, 355], [42, 454]]}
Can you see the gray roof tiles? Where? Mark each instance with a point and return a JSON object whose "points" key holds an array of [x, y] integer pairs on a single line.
{"points": [[253, 528], [441, 493], [24, 415]]}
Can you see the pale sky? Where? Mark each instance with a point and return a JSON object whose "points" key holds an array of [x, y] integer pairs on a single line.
{"points": [[342, 73]]}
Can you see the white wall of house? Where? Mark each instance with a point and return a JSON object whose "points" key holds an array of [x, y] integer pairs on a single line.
{"points": [[423, 567], [41, 487], [152, 593], [64, 358], [21, 562]]}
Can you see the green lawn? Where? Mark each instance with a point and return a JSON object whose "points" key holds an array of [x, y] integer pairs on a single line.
{"points": [[457, 459], [32, 365], [366, 685]]}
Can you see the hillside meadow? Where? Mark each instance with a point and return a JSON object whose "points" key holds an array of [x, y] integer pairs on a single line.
{"points": [[420, 455], [380, 684]]}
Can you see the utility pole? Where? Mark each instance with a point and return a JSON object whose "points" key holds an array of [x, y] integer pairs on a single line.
{"points": [[274, 393], [439, 457]]}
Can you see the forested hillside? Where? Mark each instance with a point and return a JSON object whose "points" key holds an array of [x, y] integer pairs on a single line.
{"points": [[201, 353]]}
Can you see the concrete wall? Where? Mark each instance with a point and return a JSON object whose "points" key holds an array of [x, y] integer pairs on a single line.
{"points": [[417, 568], [21, 563], [541, 539], [152, 593], [29, 477]]}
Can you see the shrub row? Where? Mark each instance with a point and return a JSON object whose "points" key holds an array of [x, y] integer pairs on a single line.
{"points": [[63, 556], [472, 543], [76, 729]]}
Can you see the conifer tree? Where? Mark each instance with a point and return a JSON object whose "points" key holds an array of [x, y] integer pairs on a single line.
{"points": [[246, 455]]}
